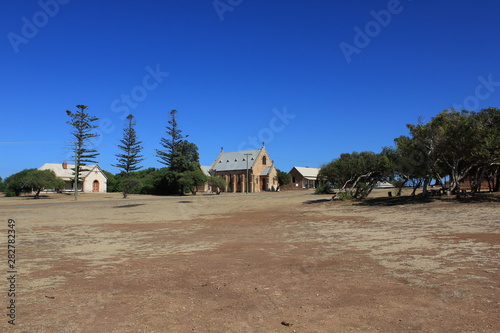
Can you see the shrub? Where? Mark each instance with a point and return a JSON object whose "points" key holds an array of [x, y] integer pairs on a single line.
{"points": [[323, 188], [347, 195]]}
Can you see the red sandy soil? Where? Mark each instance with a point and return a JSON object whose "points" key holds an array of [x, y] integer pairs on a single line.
{"points": [[269, 262]]}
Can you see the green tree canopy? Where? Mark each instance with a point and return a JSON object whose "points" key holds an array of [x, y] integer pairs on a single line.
{"points": [[216, 182], [453, 145], [14, 184], [182, 160], [34, 180], [190, 180], [284, 178], [487, 150], [357, 173]]}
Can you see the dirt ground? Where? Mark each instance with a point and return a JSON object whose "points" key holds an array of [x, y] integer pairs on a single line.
{"points": [[266, 262]]}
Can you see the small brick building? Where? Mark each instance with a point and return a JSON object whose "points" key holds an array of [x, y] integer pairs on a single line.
{"points": [[303, 178]]}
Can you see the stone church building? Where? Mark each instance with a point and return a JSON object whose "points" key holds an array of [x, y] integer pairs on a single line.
{"points": [[233, 166]]}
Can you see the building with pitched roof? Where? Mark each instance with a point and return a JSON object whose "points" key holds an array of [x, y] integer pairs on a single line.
{"points": [[234, 167], [303, 178], [93, 179]]}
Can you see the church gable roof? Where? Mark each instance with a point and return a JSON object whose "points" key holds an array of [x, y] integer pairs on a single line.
{"points": [[266, 171], [206, 170], [236, 160]]}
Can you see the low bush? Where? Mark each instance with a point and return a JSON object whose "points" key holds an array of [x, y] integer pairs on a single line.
{"points": [[347, 195], [323, 188]]}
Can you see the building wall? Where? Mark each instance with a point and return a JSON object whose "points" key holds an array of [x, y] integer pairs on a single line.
{"points": [[263, 183], [298, 182], [297, 178], [237, 179], [95, 175], [204, 188], [64, 172]]}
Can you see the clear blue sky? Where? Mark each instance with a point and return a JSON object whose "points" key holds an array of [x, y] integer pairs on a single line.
{"points": [[296, 74]]}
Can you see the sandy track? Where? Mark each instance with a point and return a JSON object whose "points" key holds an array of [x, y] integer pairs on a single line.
{"points": [[253, 263]]}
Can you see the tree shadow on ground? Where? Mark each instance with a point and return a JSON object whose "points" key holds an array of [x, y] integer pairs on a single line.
{"points": [[396, 201], [418, 199], [480, 197], [129, 206], [312, 202], [41, 196]]}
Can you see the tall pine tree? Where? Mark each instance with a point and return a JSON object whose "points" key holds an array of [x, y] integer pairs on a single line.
{"points": [[129, 160], [83, 126], [171, 143], [182, 159]]}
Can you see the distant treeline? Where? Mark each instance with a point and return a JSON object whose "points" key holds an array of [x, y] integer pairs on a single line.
{"points": [[452, 147]]}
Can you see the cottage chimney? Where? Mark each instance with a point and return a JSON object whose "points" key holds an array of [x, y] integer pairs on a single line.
{"points": [[65, 165]]}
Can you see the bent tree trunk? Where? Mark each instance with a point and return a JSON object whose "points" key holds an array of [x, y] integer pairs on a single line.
{"points": [[427, 180], [370, 189], [496, 179], [478, 180], [416, 185], [457, 176], [400, 188]]}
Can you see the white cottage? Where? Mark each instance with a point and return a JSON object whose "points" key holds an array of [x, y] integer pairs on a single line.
{"points": [[94, 180]]}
